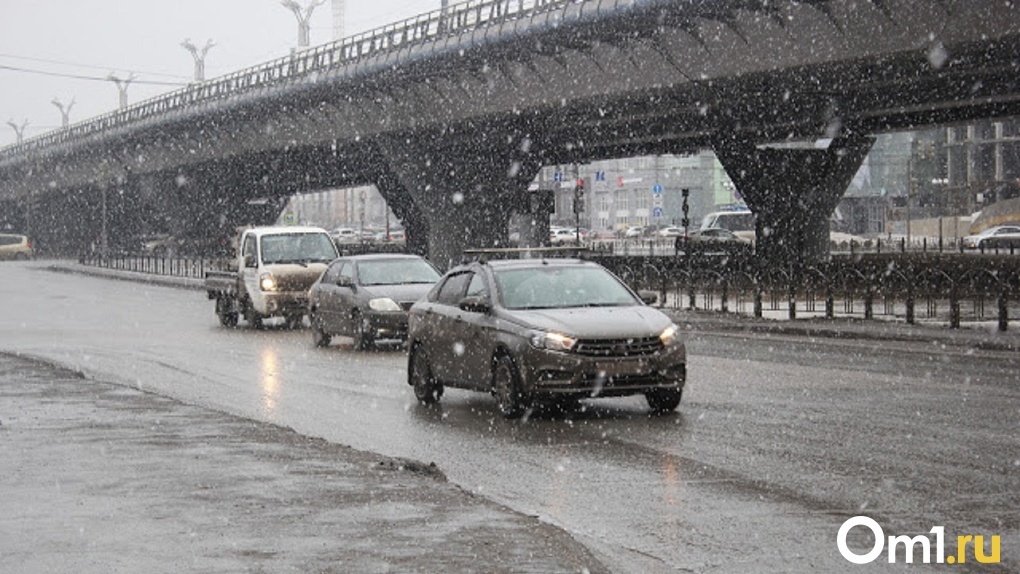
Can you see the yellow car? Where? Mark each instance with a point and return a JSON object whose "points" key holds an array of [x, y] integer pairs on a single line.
{"points": [[14, 246]]}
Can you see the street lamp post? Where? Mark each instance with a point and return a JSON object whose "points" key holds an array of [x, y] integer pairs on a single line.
{"points": [[199, 56], [19, 130], [65, 112], [303, 15], [122, 87]]}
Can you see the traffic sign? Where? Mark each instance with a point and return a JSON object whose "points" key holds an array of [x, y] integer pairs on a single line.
{"points": [[657, 212], [657, 189]]}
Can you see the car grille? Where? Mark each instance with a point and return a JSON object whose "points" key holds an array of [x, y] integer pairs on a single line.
{"points": [[619, 347]]}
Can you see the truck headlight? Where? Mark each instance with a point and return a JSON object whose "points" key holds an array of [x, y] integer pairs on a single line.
{"points": [[670, 335], [552, 341], [383, 304], [267, 283]]}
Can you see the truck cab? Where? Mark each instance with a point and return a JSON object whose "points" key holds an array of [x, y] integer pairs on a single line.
{"points": [[275, 268]]}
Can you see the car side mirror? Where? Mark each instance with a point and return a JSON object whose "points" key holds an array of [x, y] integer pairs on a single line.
{"points": [[249, 260], [345, 282], [474, 305], [649, 297]]}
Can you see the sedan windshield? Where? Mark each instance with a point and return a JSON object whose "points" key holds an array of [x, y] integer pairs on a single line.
{"points": [[559, 287], [396, 272]]}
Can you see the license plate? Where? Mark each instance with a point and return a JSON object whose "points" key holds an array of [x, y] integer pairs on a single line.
{"points": [[617, 368]]}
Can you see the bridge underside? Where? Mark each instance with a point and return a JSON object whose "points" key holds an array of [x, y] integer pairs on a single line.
{"points": [[452, 129]]}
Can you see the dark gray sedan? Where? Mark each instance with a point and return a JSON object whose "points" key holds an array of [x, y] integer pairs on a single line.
{"points": [[525, 330], [367, 297]]}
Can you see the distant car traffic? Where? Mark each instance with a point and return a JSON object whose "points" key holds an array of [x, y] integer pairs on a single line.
{"points": [[15, 246], [1000, 236], [670, 231], [367, 297], [563, 236], [345, 235], [534, 329], [717, 235]]}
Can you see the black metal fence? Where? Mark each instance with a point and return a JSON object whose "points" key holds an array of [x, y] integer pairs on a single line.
{"points": [[940, 288], [172, 266], [950, 289]]}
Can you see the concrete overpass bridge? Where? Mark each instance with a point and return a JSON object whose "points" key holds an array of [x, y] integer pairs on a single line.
{"points": [[452, 114]]}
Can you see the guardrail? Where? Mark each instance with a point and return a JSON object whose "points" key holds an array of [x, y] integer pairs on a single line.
{"points": [[194, 267], [455, 19], [948, 289], [945, 289]]}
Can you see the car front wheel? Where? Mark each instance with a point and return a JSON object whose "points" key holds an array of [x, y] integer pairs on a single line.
{"points": [[506, 387], [663, 400], [419, 373]]}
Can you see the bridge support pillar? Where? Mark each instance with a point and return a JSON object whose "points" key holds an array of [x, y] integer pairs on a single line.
{"points": [[792, 192], [463, 189]]}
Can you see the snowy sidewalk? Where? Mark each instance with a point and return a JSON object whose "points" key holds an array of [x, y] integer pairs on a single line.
{"points": [[99, 478]]}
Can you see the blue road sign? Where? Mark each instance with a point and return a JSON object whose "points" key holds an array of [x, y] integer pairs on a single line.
{"points": [[657, 212], [657, 189]]}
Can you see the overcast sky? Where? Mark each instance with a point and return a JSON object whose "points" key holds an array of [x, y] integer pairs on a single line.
{"points": [[66, 49]]}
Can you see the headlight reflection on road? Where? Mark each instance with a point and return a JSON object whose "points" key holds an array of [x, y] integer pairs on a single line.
{"points": [[270, 380]]}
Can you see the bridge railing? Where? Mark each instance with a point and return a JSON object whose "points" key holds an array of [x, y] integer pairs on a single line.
{"points": [[455, 19]]}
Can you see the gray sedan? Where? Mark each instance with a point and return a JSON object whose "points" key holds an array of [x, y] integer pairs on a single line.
{"points": [[534, 329], [367, 297]]}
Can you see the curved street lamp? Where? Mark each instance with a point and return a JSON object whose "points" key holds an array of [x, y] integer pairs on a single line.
{"points": [[303, 16]]}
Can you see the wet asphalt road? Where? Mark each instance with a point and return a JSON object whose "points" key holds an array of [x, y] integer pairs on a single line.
{"points": [[778, 441]]}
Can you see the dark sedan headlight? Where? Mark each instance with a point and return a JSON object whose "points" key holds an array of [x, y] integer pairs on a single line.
{"points": [[552, 341], [383, 304]]}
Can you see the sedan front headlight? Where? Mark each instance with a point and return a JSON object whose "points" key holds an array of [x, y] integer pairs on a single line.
{"points": [[670, 335], [552, 341], [267, 283], [383, 304]]}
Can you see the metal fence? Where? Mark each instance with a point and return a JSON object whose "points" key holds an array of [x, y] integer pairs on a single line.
{"points": [[947, 289], [194, 267]]}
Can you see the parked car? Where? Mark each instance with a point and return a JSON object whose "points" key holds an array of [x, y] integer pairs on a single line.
{"points": [[670, 231], [345, 235], [535, 329], [718, 235], [633, 232], [367, 297], [15, 246], [564, 236], [1000, 236]]}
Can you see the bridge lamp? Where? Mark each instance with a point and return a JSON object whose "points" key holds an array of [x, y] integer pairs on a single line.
{"points": [[199, 56], [122, 87], [65, 112], [19, 130], [303, 15]]}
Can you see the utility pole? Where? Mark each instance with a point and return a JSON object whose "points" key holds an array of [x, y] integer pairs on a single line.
{"points": [[303, 16], [122, 87], [199, 56], [65, 112], [18, 130]]}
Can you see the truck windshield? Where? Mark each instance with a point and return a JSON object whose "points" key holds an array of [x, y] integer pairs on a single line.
{"points": [[298, 248]]}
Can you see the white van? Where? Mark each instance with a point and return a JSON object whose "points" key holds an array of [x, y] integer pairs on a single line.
{"points": [[739, 221]]}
